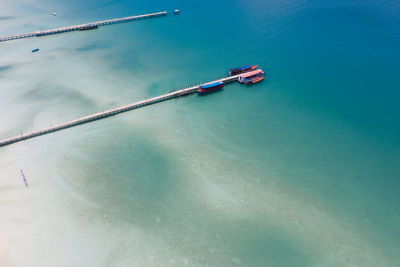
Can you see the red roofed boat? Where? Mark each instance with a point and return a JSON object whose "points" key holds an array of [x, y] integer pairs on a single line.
{"points": [[252, 76]]}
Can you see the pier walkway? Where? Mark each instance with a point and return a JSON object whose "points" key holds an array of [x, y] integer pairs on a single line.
{"points": [[76, 27], [111, 112]]}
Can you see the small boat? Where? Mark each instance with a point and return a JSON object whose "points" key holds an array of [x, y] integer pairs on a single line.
{"points": [[41, 33], [35, 50], [88, 27], [209, 88], [54, 13], [240, 70], [177, 11], [252, 76]]}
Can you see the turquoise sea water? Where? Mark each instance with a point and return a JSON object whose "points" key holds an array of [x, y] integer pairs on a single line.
{"points": [[302, 169]]}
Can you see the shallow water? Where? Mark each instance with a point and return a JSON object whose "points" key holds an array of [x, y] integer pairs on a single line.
{"points": [[299, 170]]}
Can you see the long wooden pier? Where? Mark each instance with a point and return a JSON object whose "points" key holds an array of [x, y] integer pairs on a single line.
{"points": [[111, 112], [76, 27]]}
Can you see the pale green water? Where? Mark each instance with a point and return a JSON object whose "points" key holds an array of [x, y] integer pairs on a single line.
{"points": [[300, 170]]}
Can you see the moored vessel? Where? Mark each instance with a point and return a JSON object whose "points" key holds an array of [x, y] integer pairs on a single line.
{"points": [[240, 70], [252, 76], [209, 88], [88, 27]]}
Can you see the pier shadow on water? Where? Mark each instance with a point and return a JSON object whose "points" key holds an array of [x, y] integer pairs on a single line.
{"points": [[94, 46]]}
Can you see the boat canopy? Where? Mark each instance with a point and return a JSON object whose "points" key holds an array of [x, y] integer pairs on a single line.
{"points": [[243, 68], [251, 73], [211, 85]]}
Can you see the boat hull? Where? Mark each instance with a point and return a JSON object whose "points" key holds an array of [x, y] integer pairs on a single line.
{"points": [[254, 80], [86, 28], [240, 71], [205, 91]]}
